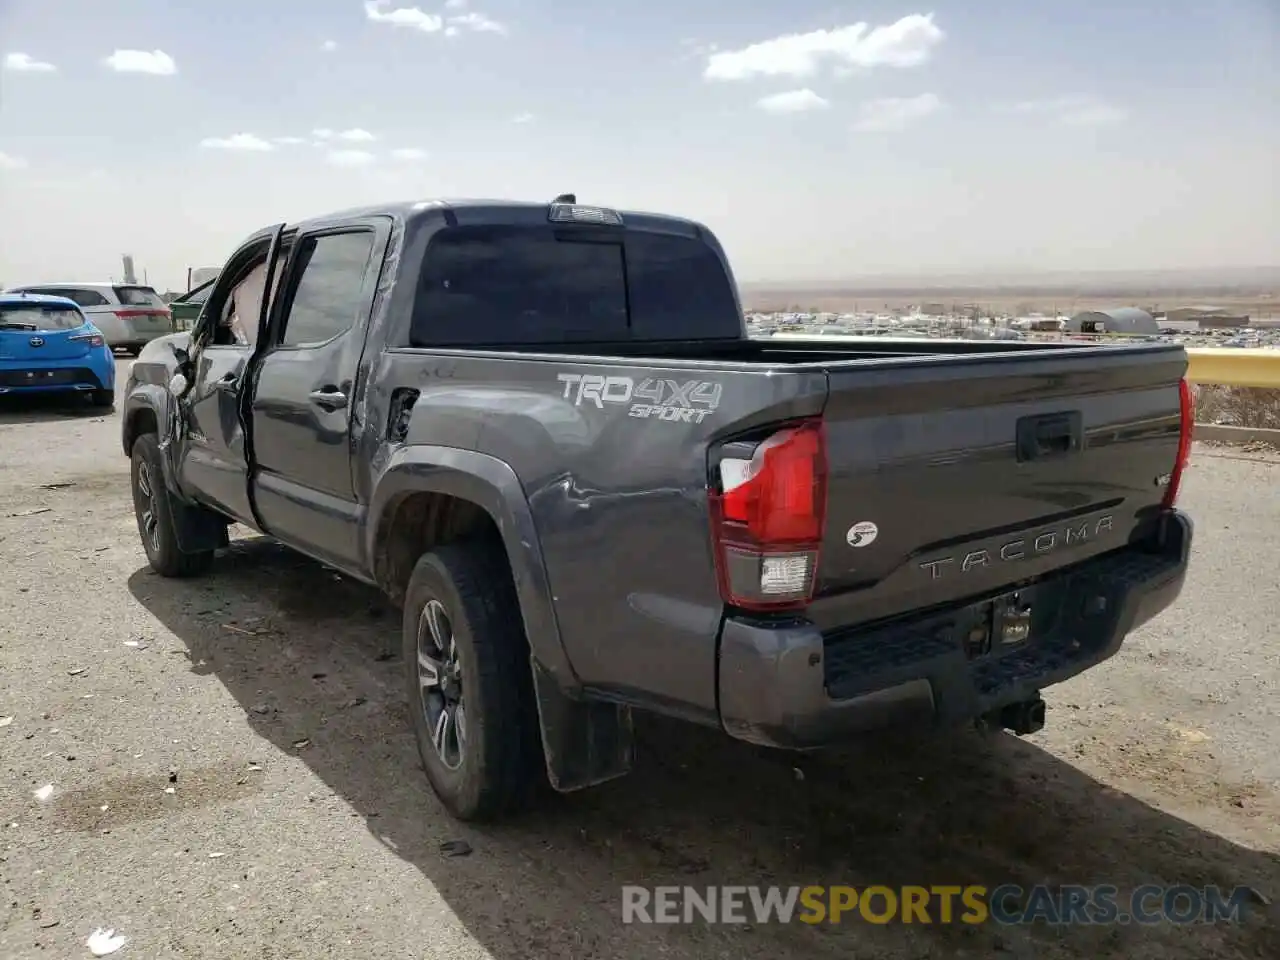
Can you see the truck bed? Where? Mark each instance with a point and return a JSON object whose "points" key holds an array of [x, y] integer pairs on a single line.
{"points": [[767, 351]]}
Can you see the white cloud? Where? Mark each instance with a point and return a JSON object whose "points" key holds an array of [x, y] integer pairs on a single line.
{"points": [[322, 133], [329, 46], [475, 22], [25, 63], [288, 141], [523, 118], [9, 162], [356, 135], [455, 4], [381, 11], [895, 113], [908, 42], [155, 62], [408, 154], [350, 158], [792, 101], [1076, 110], [242, 142]]}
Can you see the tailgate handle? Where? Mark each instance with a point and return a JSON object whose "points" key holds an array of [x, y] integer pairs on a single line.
{"points": [[1049, 435]]}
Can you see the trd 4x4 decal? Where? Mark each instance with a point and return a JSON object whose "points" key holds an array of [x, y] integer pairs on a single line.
{"points": [[689, 401]]}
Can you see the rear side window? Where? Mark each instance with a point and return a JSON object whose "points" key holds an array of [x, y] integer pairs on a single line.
{"points": [[329, 289], [139, 297], [80, 295], [503, 285], [39, 317]]}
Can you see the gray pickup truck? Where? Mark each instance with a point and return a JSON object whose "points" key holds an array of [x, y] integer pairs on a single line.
{"points": [[542, 431]]}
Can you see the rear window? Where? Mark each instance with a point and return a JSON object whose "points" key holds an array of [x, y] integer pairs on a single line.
{"points": [[39, 317], [139, 297], [501, 285]]}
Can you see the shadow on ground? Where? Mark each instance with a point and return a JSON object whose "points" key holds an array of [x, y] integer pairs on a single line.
{"points": [[297, 647], [46, 408]]}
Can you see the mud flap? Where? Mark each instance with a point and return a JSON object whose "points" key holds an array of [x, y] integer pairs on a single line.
{"points": [[585, 742], [198, 530]]}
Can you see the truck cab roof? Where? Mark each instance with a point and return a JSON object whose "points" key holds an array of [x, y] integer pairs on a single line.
{"points": [[481, 210]]}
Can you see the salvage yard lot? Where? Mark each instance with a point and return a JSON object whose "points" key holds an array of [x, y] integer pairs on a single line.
{"points": [[233, 773]]}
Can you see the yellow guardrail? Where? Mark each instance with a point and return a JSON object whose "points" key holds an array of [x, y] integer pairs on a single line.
{"points": [[1234, 367]]}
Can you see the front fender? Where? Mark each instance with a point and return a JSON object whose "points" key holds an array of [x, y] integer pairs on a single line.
{"points": [[491, 484], [144, 402]]}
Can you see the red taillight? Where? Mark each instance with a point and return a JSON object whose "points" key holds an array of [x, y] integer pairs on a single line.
{"points": [[92, 339], [135, 314], [767, 515], [1187, 408]]}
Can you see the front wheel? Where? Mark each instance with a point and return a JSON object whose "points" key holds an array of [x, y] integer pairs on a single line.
{"points": [[152, 504], [469, 682]]}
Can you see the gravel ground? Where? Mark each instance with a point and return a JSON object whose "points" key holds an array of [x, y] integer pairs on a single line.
{"points": [[233, 774]]}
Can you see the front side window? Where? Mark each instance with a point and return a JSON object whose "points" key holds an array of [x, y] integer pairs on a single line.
{"points": [[244, 306], [329, 288], [237, 310]]}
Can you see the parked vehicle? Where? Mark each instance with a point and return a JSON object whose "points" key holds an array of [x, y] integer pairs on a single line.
{"points": [[542, 431], [129, 315], [47, 345]]}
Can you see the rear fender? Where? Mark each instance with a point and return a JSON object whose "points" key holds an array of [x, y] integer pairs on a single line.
{"points": [[584, 742], [492, 485]]}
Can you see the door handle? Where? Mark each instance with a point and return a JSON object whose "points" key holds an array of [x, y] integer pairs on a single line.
{"points": [[228, 381], [329, 398]]}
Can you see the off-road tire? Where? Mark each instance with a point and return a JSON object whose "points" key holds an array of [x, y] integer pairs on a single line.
{"points": [[502, 766], [151, 495]]}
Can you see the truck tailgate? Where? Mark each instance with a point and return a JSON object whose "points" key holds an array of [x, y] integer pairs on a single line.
{"points": [[949, 480]]}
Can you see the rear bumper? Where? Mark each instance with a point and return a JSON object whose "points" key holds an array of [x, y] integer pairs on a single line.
{"points": [[85, 373], [792, 686]]}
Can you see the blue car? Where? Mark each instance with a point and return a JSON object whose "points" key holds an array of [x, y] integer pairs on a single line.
{"points": [[47, 345]]}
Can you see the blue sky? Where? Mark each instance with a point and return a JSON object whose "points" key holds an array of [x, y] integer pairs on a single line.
{"points": [[987, 135]]}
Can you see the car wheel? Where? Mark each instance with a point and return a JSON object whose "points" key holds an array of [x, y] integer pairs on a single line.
{"points": [[469, 683], [153, 507], [104, 399]]}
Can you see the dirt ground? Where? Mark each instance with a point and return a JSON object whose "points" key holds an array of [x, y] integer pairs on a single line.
{"points": [[233, 773]]}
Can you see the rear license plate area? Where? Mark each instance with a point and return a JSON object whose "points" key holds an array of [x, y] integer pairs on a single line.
{"points": [[1011, 621]]}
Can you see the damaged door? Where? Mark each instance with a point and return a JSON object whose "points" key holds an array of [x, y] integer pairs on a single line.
{"points": [[214, 465]]}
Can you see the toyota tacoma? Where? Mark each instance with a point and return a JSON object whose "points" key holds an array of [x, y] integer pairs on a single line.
{"points": [[542, 430]]}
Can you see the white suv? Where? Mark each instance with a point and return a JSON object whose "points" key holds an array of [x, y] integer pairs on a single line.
{"points": [[128, 314]]}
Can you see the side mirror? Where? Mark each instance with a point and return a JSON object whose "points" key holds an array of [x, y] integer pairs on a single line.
{"points": [[178, 384]]}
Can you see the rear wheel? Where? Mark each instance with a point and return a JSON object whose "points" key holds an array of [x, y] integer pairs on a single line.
{"points": [[104, 399], [469, 684], [152, 504]]}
